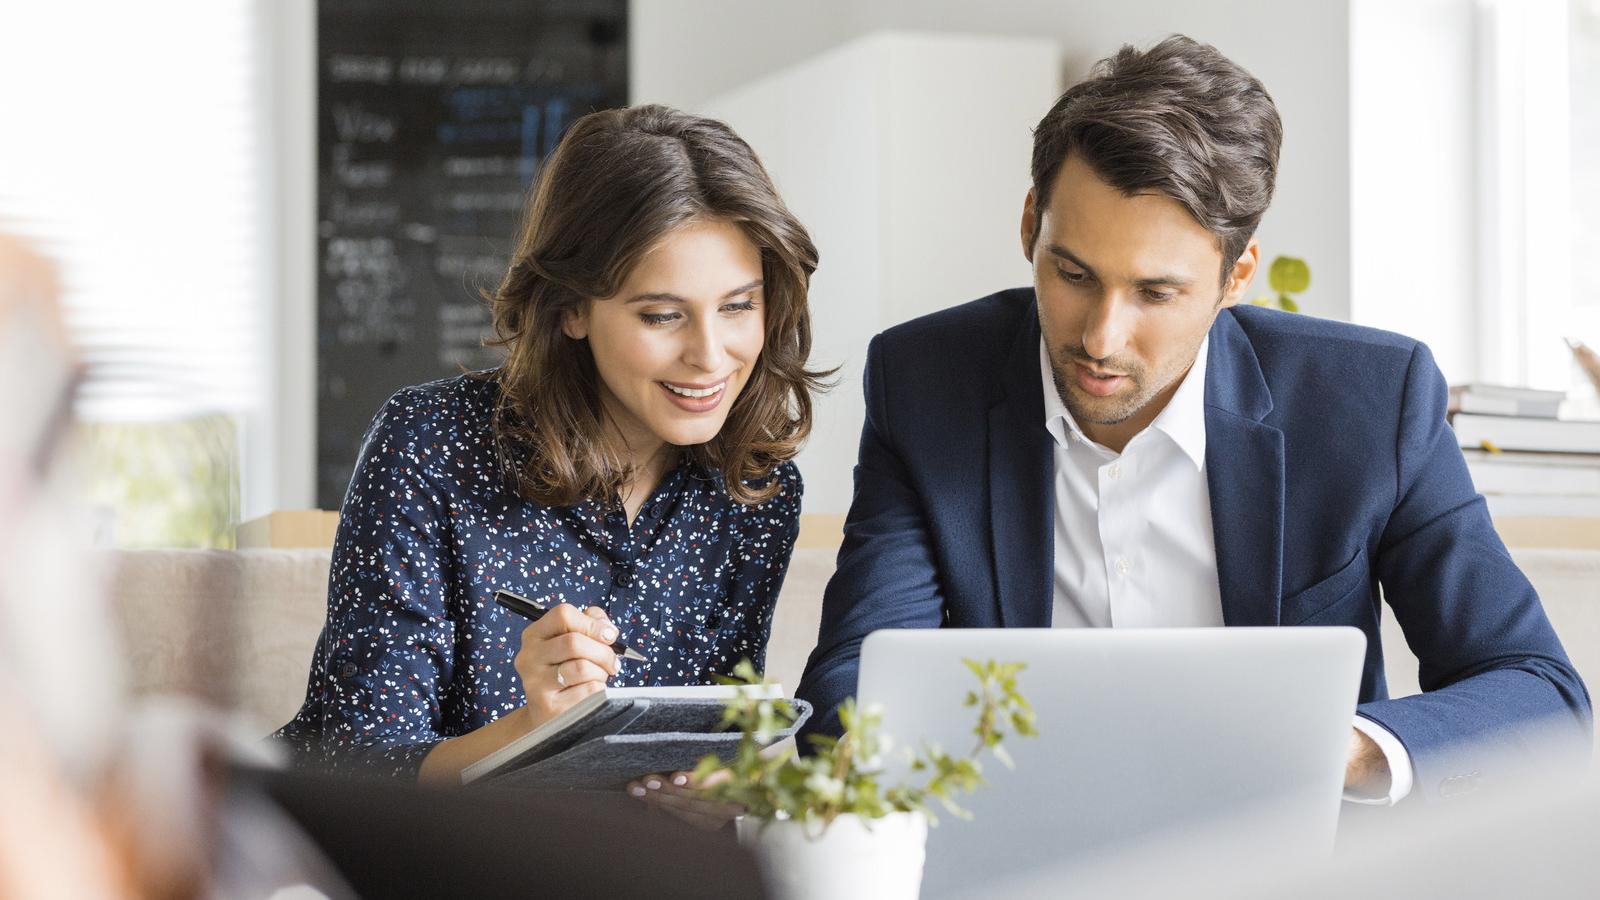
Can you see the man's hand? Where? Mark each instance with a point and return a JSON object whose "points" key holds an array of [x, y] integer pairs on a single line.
{"points": [[1366, 771]]}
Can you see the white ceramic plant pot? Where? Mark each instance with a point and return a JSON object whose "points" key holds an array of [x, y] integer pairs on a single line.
{"points": [[877, 858]]}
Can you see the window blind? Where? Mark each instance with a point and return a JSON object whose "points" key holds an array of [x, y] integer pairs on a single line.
{"points": [[131, 153]]}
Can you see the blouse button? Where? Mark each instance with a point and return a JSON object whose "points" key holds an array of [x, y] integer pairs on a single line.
{"points": [[349, 670], [714, 620], [622, 578]]}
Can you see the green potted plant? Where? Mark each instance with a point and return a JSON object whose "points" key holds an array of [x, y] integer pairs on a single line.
{"points": [[826, 825], [1287, 276]]}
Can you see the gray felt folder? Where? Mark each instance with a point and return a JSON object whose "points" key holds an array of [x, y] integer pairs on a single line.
{"points": [[613, 736]]}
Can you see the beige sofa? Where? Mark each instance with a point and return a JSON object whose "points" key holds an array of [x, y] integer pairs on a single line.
{"points": [[237, 627]]}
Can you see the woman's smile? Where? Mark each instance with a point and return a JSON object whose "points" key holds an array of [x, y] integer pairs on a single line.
{"points": [[695, 397]]}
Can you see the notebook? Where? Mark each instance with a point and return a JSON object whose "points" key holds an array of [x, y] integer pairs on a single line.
{"points": [[617, 734]]}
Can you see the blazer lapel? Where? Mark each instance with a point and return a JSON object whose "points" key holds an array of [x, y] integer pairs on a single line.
{"points": [[1244, 471], [1020, 475]]}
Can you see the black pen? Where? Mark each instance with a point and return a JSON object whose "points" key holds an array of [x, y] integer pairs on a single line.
{"points": [[522, 606]]}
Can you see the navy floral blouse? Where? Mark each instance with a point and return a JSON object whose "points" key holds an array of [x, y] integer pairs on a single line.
{"points": [[415, 650]]}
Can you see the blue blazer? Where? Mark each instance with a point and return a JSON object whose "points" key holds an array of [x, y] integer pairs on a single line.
{"points": [[1331, 468]]}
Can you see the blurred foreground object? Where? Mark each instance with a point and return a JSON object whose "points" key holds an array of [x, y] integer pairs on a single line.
{"points": [[36, 371], [79, 821], [28, 284], [393, 839], [1530, 834], [58, 653]]}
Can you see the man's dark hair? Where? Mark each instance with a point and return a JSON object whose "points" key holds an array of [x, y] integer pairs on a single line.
{"points": [[1180, 119]]}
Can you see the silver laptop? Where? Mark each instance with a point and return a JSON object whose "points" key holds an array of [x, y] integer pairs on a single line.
{"points": [[1143, 734]]}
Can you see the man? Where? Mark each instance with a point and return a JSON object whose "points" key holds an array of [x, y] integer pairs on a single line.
{"points": [[1124, 446]]}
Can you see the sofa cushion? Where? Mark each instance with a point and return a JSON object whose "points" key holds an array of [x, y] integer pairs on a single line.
{"points": [[237, 628], [234, 628]]}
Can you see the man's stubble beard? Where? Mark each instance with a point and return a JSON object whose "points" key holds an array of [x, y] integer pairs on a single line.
{"points": [[1124, 409], [1110, 414]]}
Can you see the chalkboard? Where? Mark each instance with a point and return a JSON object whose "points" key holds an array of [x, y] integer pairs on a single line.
{"points": [[433, 118]]}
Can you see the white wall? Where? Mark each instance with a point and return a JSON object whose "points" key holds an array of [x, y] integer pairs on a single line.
{"points": [[830, 178], [1415, 173], [682, 52], [884, 147], [685, 51], [283, 448], [1461, 175], [1299, 50], [933, 220]]}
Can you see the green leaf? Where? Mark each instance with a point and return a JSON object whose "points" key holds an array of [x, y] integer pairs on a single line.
{"points": [[1289, 275], [1009, 671], [1288, 303], [840, 777]]}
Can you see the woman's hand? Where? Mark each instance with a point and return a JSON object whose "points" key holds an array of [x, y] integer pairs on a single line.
{"points": [[565, 656], [679, 794]]}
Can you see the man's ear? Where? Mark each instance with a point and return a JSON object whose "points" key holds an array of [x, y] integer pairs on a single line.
{"points": [[1244, 272], [575, 321], [1030, 226]]}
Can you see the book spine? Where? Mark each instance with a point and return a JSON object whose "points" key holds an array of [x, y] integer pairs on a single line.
{"points": [[1513, 478], [1537, 395], [1509, 406], [1533, 435], [1523, 505], [1489, 406]]}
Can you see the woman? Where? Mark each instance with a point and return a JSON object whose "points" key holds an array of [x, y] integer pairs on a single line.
{"points": [[631, 458]]}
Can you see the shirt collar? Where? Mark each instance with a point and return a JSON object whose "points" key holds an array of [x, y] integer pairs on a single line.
{"points": [[1057, 420], [1183, 420]]}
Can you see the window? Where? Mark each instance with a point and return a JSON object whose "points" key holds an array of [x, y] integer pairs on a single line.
{"points": [[1583, 315], [1539, 120], [132, 157]]}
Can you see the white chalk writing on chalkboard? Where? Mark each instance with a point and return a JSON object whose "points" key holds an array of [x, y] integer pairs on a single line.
{"points": [[461, 328], [345, 212], [424, 69], [481, 166], [353, 68], [433, 120], [493, 70], [472, 269], [354, 123], [482, 201], [375, 173]]}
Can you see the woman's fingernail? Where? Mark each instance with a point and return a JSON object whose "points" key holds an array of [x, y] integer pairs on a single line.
{"points": [[653, 784], [636, 790], [608, 634], [680, 779]]}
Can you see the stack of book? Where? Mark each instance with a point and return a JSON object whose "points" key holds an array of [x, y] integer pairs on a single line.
{"points": [[1524, 459]]}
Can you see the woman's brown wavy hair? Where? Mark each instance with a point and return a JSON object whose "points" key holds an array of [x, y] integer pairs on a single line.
{"points": [[618, 182]]}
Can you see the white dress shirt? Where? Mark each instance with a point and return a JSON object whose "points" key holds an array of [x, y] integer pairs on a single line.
{"points": [[1133, 540]]}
